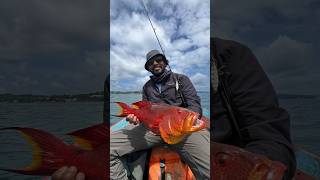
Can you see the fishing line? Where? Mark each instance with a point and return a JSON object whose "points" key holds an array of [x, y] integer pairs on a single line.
{"points": [[154, 29], [177, 83]]}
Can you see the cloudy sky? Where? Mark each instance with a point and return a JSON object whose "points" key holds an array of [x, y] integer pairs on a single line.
{"points": [[284, 35], [183, 28], [53, 47]]}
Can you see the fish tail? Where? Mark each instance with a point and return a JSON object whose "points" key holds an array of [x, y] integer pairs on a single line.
{"points": [[48, 152], [125, 110]]}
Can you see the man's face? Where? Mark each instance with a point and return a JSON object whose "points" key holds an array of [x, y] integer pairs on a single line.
{"points": [[156, 65]]}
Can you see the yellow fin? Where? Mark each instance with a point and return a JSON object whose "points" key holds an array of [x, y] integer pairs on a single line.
{"points": [[36, 153], [135, 106], [82, 143], [169, 137]]}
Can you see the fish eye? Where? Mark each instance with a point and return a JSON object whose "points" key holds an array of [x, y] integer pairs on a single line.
{"points": [[222, 158]]}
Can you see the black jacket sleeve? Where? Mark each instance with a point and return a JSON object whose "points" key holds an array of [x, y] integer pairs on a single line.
{"points": [[144, 94], [265, 125], [190, 94]]}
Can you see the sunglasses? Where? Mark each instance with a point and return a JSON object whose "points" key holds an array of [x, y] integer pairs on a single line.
{"points": [[157, 59]]}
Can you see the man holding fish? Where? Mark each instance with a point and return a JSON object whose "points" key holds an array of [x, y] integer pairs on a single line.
{"points": [[184, 129], [260, 125], [194, 148]]}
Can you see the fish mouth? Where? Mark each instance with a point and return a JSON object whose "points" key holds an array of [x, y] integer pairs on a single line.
{"points": [[195, 122]]}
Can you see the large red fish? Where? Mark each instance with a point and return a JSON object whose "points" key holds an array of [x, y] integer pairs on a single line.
{"points": [[171, 122], [50, 153], [230, 162]]}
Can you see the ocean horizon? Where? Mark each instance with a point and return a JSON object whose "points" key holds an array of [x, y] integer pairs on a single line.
{"points": [[60, 118]]}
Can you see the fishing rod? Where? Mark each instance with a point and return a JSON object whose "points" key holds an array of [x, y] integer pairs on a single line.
{"points": [[174, 75], [216, 61], [154, 29]]}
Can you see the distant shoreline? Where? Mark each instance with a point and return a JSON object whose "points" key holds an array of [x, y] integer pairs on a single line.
{"points": [[98, 96], [29, 98], [139, 92]]}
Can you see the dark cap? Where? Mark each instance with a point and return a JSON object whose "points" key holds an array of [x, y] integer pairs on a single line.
{"points": [[152, 54]]}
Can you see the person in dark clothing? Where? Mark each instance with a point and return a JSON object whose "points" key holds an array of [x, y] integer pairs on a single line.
{"points": [[171, 88], [162, 88], [167, 87], [245, 107]]}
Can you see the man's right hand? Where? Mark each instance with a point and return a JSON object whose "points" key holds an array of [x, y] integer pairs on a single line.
{"points": [[68, 173], [132, 119]]}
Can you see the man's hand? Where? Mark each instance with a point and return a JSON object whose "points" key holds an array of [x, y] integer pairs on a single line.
{"points": [[68, 173], [132, 119]]}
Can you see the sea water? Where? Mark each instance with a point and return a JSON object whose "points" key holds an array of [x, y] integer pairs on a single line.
{"points": [[56, 118], [60, 118]]}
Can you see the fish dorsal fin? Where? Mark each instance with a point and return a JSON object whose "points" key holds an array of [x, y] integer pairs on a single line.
{"points": [[140, 104], [91, 137]]}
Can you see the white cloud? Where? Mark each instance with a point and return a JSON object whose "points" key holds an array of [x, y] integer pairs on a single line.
{"points": [[232, 17], [288, 63], [200, 81], [282, 35], [285, 54]]}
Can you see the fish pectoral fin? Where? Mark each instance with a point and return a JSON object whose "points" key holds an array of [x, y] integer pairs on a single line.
{"points": [[171, 139], [169, 134]]}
